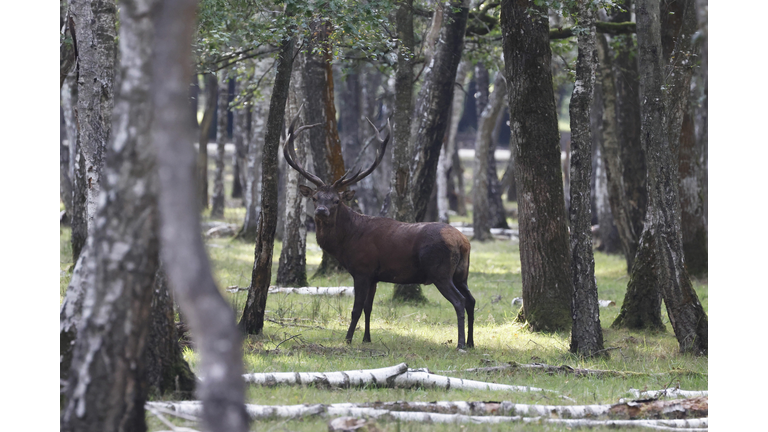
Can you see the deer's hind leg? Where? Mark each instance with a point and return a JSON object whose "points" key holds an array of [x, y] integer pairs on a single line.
{"points": [[453, 295]]}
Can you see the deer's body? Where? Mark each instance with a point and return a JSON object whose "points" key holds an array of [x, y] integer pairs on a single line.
{"points": [[375, 249]]}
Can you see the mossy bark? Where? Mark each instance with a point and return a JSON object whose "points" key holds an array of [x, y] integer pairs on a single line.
{"points": [[544, 244]]}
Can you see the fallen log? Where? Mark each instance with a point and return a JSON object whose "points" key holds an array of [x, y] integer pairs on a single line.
{"points": [[382, 377], [333, 291], [262, 412], [398, 376], [670, 392]]}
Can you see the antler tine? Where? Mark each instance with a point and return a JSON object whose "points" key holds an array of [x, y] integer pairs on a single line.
{"points": [[379, 156], [290, 153], [346, 177]]}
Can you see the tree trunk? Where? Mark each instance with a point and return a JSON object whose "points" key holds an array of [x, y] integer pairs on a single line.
{"points": [[446, 189], [324, 142], [167, 371], [401, 207], [678, 23], [210, 318], [67, 57], [65, 181], [76, 208], [481, 210], [631, 153], [211, 91], [608, 233], [375, 109], [107, 383], [702, 113], [292, 268], [685, 312], [693, 222], [252, 321], [495, 204], [94, 31], [586, 334], [252, 199], [434, 102], [239, 139], [611, 152], [217, 202], [544, 246]]}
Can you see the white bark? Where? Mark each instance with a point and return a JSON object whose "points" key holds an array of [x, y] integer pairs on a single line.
{"points": [[379, 377], [670, 392], [398, 376], [421, 378], [258, 412], [336, 291]]}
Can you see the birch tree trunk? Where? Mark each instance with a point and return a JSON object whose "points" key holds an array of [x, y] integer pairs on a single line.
{"points": [[445, 166], [482, 216], [544, 246], [434, 102], [107, 384], [211, 93], [586, 334], [292, 267], [685, 312], [211, 320], [252, 198], [252, 321], [95, 35], [217, 201]]}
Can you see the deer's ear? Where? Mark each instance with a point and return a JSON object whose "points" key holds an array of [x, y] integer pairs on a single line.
{"points": [[305, 191], [348, 195]]}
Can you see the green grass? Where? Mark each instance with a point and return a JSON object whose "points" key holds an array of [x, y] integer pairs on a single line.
{"points": [[311, 337], [425, 336]]}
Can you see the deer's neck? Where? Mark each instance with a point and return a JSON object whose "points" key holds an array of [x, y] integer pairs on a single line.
{"points": [[333, 234]]}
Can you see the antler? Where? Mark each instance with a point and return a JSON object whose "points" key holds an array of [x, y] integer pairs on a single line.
{"points": [[290, 153], [348, 178]]}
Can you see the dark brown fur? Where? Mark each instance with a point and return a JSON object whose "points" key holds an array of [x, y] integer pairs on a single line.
{"points": [[377, 249]]}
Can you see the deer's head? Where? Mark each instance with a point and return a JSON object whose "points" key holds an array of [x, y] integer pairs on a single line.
{"points": [[328, 197]]}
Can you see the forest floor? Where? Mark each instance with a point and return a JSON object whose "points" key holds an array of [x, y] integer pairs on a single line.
{"points": [[306, 334]]}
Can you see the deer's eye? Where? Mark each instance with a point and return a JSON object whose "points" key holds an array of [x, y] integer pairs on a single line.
{"points": [[335, 200]]}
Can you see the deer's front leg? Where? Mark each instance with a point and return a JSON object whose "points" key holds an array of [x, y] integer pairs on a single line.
{"points": [[368, 308], [361, 292]]}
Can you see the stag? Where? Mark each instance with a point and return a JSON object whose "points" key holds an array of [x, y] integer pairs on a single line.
{"points": [[377, 249]]}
